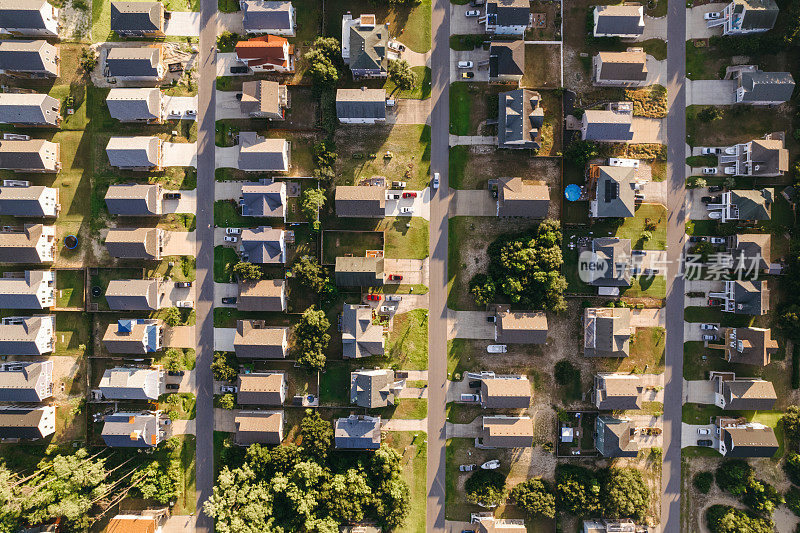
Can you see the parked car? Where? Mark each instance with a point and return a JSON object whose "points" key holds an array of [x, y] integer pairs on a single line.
{"points": [[467, 468], [714, 301], [386, 308], [183, 284], [373, 297], [705, 442], [399, 184], [175, 373], [638, 252], [172, 196], [717, 240], [711, 338], [709, 170], [392, 196], [494, 464], [707, 151], [473, 13], [696, 238], [730, 150], [708, 327], [730, 171], [184, 303], [230, 238], [470, 398], [406, 210], [475, 384], [435, 182], [230, 300], [395, 277], [715, 188], [228, 388], [394, 298], [409, 195], [706, 199], [468, 75], [712, 15], [703, 431], [173, 386], [233, 231], [497, 348], [491, 318], [240, 69]]}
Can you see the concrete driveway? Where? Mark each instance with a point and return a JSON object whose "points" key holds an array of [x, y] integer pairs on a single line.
{"points": [[406, 111], [223, 339], [648, 318], [420, 204], [461, 24], [654, 28], [710, 92], [456, 388], [176, 107], [477, 57], [225, 290], [179, 524], [414, 271], [232, 22], [183, 427], [690, 435], [411, 302], [228, 190], [472, 203], [416, 59], [692, 331], [656, 71], [414, 392], [224, 420], [702, 286], [696, 26], [187, 203], [399, 424], [186, 382], [698, 391], [469, 325], [228, 106], [180, 337], [226, 60], [696, 209], [183, 24], [655, 192], [469, 431], [473, 140], [179, 154], [648, 130], [176, 294], [227, 157], [179, 243]]}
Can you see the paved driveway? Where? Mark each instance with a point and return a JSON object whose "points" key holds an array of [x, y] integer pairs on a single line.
{"points": [[223, 339], [186, 383], [460, 24], [187, 203], [407, 111], [469, 431], [648, 318], [232, 22], [692, 331], [411, 302], [183, 24], [399, 424], [228, 106], [696, 209], [472, 203], [227, 157], [655, 192], [456, 388], [179, 243], [176, 294], [183, 427], [414, 271], [180, 337], [416, 59], [710, 92], [698, 391], [420, 204], [654, 28], [224, 420], [473, 140], [414, 392], [477, 57], [689, 435], [176, 107], [226, 60], [696, 26], [228, 190], [179, 154], [648, 130], [225, 290], [469, 325], [656, 71], [179, 524]]}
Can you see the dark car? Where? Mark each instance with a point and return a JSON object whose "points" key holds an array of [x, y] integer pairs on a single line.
{"points": [[706, 199], [714, 301], [695, 238], [238, 96], [491, 318], [175, 373], [475, 384], [229, 300], [173, 386], [240, 69], [715, 188], [705, 442], [183, 284], [172, 196]]}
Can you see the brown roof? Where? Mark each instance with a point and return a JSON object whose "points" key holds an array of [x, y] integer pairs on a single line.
{"points": [[132, 524], [260, 388], [360, 201], [507, 432], [751, 246], [521, 327], [264, 295], [264, 427], [523, 198], [254, 340], [504, 393], [261, 96]]}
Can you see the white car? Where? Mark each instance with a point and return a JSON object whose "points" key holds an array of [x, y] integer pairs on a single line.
{"points": [[715, 215], [467, 468], [406, 210], [730, 150], [184, 303], [231, 238], [712, 15], [473, 13], [392, 196], [470, 398], [435, 182], [709, 170], [497, 348], [465, 64], [717, 240], [393, 298], [233, 231], [707, 151], [228, 388], [730, 170], [708, 326], [703, 431], [386, 309]]}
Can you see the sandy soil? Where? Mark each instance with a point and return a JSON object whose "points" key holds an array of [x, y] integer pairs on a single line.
{"points": [[74, 22]]}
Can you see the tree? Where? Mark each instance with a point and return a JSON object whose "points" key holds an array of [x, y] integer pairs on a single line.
{"points": [[224, 366], [313, 200], [226, 41], [172, 317], [762, 497], [247, 271], [702, 481], [726, 519], [565, 372], [172, 359], [700, 182], [401, 75], [312, 338], [734, 476], [625, 494], [310, 274], [710, 114], [577, 490], [792, 467], [486, 488], [324, 60], [227, 401], [482, 288], [793, 500], [791, 422], [536, 497], [581, 152], [159, 483], [88, 60], [349, 497], [317, 434]]}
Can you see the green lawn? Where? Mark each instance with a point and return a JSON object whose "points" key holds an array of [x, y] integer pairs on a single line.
{"points": [[421, 89], [406, 409], [409, 22], [404, 242], [101, 18], [69, 289], [738, 124], [460, 111], [458, 159], [339, 243], [702, 414], [224, 259], [653, 286], [226, 215], [407, 348], [646, 353], [184, 409], [72, 333], [633, 228], [334, 384], [413, 448], [186, 452]]}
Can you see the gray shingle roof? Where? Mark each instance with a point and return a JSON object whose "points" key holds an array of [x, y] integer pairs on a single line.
{"points": [[22, 14], [260, 388], [751, 298], [29, 108], [130, 430], [259, 154], [22, 246], [522, 198], [360, 337], [263, 16], [359, 271], [373, 388], [134, 294], [614, 437], [133, 243], [615, 191], [134, 104], [606, 332], [23, 422], [616, 254], [359, 432], [254, 340], [754, 204], [749, 395], [20, 337], [619, 20], [133, 62], [134, 199], [360, 201], [264, 199], [368, 47], [757, 14], [626, 66], [617, 392], [263, 245], [509, 12], [506, 59], [520, 119], [263, 295], [22, 292], [130, 384], [133, 152], [361, 103], [31, 201], [34, 154], [28, 56], [262, 427], [26, 381], [144, 17], [506, 393], [605, 125], [760, 86]]}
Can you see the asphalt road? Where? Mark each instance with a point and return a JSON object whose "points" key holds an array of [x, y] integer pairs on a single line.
{"points": [[437, 321], [676, 232], [204, 465]]}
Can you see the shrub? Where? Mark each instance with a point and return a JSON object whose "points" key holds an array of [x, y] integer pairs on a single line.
{"points": [[702, 481], [535, 497], [733, 476], [565, 372], [792, 467], [793, 500], [227, 401], [172, 317], [486, 487]]}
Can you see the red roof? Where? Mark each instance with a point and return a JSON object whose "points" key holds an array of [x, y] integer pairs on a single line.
{"points": [[263, 50]]}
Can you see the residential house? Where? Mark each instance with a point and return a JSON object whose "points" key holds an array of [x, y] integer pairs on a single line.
{"points": [[27, 335], [263, 245], [507, 17], [29, 59], [134, 200], [747, 16], [607, 331], [27, 423], [743, 204], [520, 119], [756, 87], [264, 295], [359, 271], [265, 199], [506, 392], [759, 158], [136, 294], [490, 524], [517, 197], [133, 523], [622, 21], [360, 201], [264, 99], [269, 16], [126, 383], [615, 437], [255, 340], [617, 392], [739, 438], [26, 381], [132, 430], [519, 327], [613, 190], [135, 105], [32, 155], [139, 336], [137, 19], [29, 201], [357, 432], [602, 525], [364, 46], [374, 388], [141, 63], [28, 18], [261, 388], [142, 154], [620, 69], [361, 337], [268, 53], [258, 427], [749, 346], [31, 289], [135, 243], [506, 61], [744, 297], [29, 109], [503, 431], [611, 257], [751, 251], [742, 394], [257, 154], [361, 106], [33, 243], [614, 124]]}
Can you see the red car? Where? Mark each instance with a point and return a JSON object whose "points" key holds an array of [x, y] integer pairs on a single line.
{"points": [[374, 297], [395, 277], [409, 195]]}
